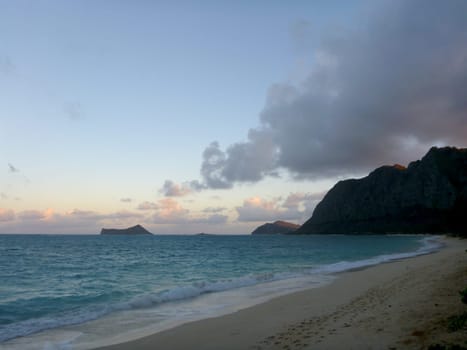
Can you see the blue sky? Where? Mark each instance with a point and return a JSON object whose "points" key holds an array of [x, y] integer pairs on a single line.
{"points": [[108, 109]]}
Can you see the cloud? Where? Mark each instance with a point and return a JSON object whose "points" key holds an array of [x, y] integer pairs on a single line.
{"points": [[84, 214], [147, 206], [124, 215], [211, 219], [126, 200], [214, 210], [243, 162], [90, 215], [300, 32], [297, 207], [74, 215], [171, 189], [295, 200], [379, 93], [74, 221], [170, 212], [258, 209], [31, 215], [73, 110], [214, 161], [3, 195], [7, 67], [7, 215], [12, 168]]}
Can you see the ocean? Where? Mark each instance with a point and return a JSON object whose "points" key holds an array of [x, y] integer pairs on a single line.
{"points": [[80, 292]]}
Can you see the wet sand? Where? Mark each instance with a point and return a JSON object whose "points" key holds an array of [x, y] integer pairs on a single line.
{"points": [[398, 305]]}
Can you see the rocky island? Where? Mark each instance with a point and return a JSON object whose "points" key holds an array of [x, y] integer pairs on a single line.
{"points": [[276, 227], [429, 196], [131, 231]]}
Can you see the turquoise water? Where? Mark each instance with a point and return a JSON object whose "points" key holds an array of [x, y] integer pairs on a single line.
{"points": [[54, 288]]}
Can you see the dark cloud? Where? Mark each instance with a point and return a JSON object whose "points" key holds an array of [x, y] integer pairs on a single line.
{"points": [[12, 168], [244, 162], [172, 189], [295, 200], [214, 161], [382, 92]]}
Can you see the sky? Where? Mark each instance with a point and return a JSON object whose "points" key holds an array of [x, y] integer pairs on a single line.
{"points": [[215, 116]]}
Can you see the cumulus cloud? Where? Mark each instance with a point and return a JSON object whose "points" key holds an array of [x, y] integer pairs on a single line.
{"points": [[74, 221], [6, 215], [123, 216], [147, 206], [170, 212], [32, 215], [75, 214], [295, 200], [172, 189], [214, 210], [258, 209], [244, 161], [89, 214], [297, 207], [380, 93], [166, 212], [211, 219]]}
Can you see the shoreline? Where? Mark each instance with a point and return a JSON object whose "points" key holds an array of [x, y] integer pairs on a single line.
{"points": [[379, 306]]}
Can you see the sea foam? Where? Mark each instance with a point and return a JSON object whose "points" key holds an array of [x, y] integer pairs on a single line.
{"points": [[280, 265]]}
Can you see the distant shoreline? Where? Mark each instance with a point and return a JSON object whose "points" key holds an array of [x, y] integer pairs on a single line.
{"points": [[374, 307]]}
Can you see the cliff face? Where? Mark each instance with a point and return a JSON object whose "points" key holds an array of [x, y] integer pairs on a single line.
{"points": [[275, 228], [430, 195], [135, 230]]}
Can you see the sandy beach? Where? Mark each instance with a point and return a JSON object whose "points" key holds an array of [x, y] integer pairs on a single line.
{"points": [[398, 305]]}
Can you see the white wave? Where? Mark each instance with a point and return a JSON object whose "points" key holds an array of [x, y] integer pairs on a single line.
{"points": [[429, 244], [200, 288]]}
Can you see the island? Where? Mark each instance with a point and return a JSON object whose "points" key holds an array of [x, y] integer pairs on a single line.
{"points": [[277, 227], [429, 196], [130, 231]]}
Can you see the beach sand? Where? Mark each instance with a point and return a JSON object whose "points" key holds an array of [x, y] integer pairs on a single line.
{"points": [[398, 305]]}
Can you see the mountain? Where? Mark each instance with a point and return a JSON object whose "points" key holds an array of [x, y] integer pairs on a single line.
{"points": [[275, 228], [135, 230], [429, 196]]}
